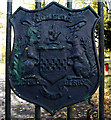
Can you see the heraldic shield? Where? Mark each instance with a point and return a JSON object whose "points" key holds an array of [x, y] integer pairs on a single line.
{"points": [[54, 62]]}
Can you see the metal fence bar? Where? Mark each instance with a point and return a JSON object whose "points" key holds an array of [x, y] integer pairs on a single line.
{"points": [[69, 109], [37, 112], [37, 4], [37, 108], [69, 4], [69, 113], [8, 52], [101, 59]]}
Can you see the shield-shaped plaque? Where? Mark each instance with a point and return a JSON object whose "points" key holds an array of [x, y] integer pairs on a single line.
{"points": [[54, 62]]}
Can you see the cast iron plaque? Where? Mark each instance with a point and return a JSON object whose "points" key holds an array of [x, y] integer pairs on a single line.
{"points": [[54, 62]]}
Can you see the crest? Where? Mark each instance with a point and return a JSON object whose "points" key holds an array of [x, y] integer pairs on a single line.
{"points": [[54, 62]]}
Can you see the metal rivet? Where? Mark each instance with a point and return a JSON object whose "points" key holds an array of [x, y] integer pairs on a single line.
{"points": [[69, 97], [37, 83], [36, 97]]}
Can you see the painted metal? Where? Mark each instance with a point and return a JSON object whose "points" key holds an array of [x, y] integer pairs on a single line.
{"points": [[54, 62], [69, 109], [91, 113], [69, 4], [37, 4], [37, 107], [101, 60], [8, 53]]}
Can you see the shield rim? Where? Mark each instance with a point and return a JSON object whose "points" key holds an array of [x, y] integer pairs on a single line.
{"points": [[93, 45], [58, 5]]}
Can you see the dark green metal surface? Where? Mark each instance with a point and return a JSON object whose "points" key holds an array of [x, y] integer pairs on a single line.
{"points": [[37, 108], [37, 112], [69, 4], [69, 109], [69, 113], [101, 59], [37, 4], [8, 52], [60, 65]]}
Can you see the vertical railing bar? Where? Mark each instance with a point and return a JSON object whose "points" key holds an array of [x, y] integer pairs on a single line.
{"points": [[69, 109], [69, 113], [37, 108], [8, 52], [37, 112], [101, 59], [69, 4], [37, 4]]}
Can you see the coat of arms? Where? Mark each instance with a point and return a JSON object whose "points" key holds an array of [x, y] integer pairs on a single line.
{"points": [[54, 61]]}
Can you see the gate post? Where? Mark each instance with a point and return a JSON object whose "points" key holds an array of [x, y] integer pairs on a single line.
{"points": [[101, 59], [37, 108], [8, 52], [69, 109]]}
